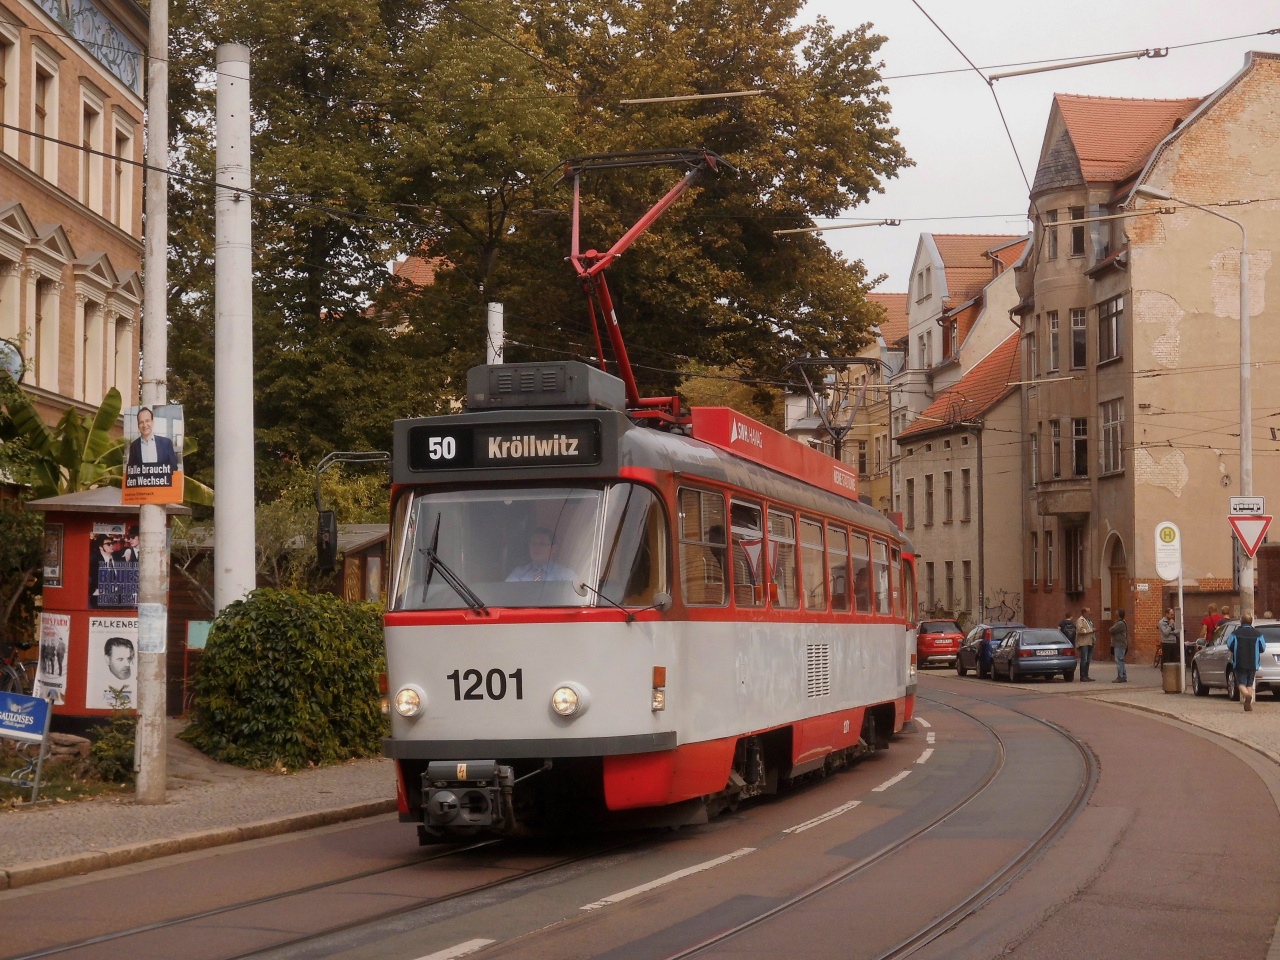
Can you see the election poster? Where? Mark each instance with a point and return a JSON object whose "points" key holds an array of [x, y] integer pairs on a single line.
{"points": [[113, 663], [113, 566], [153, 454], [51, 672]]}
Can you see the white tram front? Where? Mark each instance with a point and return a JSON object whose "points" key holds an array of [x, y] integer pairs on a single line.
{"points": [[596, 621]]}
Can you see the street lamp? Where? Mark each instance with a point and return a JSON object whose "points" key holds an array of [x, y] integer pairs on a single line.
{"points": [[1246, 391]]}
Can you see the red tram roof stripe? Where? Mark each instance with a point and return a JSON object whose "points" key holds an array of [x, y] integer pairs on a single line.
{"points": [[743, 437]]}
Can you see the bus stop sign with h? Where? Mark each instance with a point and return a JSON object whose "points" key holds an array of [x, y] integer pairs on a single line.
{"points": [[26, 720]]}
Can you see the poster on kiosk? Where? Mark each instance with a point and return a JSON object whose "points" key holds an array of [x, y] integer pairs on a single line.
{"points": [[153, 455]]}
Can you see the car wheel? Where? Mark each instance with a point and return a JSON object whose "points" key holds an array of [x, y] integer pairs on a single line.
{"points": [[1015, 675], [1233, 689], [1197, 685], [960, 668], [1068, 675]]}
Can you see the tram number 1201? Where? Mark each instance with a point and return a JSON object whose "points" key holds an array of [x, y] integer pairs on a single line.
{"points": [[493, 683]]}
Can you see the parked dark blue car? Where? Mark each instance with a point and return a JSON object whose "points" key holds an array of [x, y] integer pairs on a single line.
{"points": [[979, 645]]}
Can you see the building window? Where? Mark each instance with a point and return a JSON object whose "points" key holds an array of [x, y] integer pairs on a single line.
{"points": [[7, 60], [1035, 560], [966, 496], [1077, 233], [1112, 419], [40, 126], [1109, 313], [952, 345], [862, 458], [1079, 343], [951, 585], [966, 567], [911, 503], [1051, 235], [1035, 458], [1074, 559], [923, 357], [1080, 447], [1054, 354], [928, 499], [946, 497], [1048, 558], [1055, 429], [928, 348], [1033, 363], [930, 587]]}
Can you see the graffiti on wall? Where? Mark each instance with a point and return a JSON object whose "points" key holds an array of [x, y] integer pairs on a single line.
{"points": [[1002, 606]]}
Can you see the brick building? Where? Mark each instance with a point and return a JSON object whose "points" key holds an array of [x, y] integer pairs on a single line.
{"points": [[1130, 345], [71, 219]]}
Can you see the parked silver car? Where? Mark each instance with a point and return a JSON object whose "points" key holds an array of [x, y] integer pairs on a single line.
{"points": [[1211, 667]]}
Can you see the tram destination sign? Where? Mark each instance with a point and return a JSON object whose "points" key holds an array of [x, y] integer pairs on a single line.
{"points": [[496, 445]]}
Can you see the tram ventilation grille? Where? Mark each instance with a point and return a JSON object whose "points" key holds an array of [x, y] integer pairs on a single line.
{"points": [[817, 669]]}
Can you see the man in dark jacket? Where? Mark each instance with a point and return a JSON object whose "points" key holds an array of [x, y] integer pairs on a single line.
{"points": [[1246, 646], [1068, 626], [1120, 646]]}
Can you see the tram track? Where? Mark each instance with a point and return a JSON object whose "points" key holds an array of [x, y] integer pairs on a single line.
{"points": [[995, 885], [331, 886]]}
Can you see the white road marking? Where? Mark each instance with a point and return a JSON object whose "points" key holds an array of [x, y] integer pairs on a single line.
{"points": [[458, 950], [891, 781], [925, 756], [669, 878], [829, 815], [930, 737], [923, 722]]}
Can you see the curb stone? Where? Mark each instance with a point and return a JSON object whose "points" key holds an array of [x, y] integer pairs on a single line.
{"points": [[40, 871], [1273, 757]]}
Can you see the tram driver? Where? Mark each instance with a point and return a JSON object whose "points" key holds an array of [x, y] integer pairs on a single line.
{"points": [[540, 565]]}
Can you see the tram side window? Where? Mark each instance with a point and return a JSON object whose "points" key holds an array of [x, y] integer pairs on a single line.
{"points": [[860, 555], [635, 546], [838, 568], [702, 547], [747, 524], [782, 551], [909, 587], [880, 575], [812, 566], [895, 580]]}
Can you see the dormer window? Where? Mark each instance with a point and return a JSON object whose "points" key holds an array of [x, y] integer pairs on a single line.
{"points": [[924, 284]]}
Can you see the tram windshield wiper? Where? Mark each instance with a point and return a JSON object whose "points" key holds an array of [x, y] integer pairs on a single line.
{"points": [[469, 596]]}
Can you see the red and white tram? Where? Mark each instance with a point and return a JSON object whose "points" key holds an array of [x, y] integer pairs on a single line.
{"points": [[598, 616]]}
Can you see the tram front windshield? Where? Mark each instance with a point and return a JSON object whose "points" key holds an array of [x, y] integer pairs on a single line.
{"points": [[530, 546]]}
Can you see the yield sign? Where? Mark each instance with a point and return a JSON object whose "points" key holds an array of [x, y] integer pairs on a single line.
{"points": [[1250, 530]]}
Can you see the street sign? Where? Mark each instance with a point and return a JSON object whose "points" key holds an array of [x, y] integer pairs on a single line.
{"points": [[1250, 530], [1168, 551], [1247, 507]]}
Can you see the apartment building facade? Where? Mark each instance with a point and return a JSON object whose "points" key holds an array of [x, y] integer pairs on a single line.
{"points": [[1130, 340], [71, 219]]}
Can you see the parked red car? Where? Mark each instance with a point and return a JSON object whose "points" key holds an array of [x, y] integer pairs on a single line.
{"points": [[938, 641]]}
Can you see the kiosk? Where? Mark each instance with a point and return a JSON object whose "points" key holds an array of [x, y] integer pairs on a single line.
{"points": [[89, 620]]}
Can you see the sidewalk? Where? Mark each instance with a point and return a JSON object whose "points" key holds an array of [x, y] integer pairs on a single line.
{"points": [[209, 804]]}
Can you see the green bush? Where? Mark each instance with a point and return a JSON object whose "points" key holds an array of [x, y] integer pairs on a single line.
{"points": [[111, 754], [290, 679]]}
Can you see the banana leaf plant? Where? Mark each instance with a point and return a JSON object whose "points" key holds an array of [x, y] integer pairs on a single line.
{"points": [[78, 453]]}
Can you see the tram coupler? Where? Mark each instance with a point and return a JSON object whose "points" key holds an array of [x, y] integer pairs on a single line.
{"points": [[464, 797]]}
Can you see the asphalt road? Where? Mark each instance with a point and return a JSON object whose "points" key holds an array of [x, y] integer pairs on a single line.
{"points": [[1014, 824]]}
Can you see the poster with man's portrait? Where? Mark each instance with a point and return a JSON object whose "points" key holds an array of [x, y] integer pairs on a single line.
{"points": [[113, 566], [153, 454], [113, 662], [51, 671]]}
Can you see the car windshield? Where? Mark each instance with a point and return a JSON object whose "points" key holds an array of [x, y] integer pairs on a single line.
{"points": [[999, 633], [939, 626], [529, 547], [1040, 638]]}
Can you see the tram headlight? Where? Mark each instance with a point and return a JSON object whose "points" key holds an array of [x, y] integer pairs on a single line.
{"points": [[409, 701], [570, 700]]}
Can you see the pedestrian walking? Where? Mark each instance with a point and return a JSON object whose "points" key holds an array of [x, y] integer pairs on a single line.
{"points": [[1067, 626], [1086, 633], [1120, 644], [1246, 646], [1210, 621]]}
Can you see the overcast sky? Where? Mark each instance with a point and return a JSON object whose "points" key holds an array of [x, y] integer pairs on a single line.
{"points": [[949, 124]]}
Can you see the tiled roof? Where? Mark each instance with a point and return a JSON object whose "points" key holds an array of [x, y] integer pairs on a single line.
{"points": [[977, 391], [965, 319], [894, 326], [1113, 136], [1011, 253], [968, 267], [420, 271]]}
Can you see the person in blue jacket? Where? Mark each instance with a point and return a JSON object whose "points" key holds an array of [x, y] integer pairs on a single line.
{"points": [[1246, 647]]}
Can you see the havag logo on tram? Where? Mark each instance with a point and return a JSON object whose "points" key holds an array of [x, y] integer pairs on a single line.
{"points": [[747, 434]]}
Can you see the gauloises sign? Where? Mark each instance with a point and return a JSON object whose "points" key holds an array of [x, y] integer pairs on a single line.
{"points": [[486, 446], [752, 440]]}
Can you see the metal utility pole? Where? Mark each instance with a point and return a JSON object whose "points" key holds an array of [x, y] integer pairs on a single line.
{"points": [[153, 546], [494, 340], [233, 516]]}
